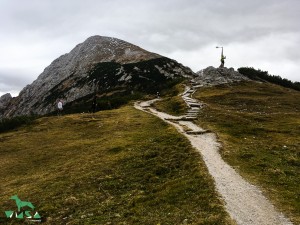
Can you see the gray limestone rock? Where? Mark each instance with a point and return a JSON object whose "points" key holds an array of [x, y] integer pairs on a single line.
{"points": [[5, 100], [215, 76]]}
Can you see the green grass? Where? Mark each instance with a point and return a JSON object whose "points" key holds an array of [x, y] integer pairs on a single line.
{"points": [[259, 126], [15, 122], [121, 167], [172, 103]]}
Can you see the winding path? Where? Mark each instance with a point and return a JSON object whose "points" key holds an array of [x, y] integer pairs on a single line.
{"points": [[243, 201]]}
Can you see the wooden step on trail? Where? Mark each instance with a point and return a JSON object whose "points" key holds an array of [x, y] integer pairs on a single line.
{"points": [[184, 118], [192, 132], [188, 98], [191, 115], [190, 101], [194, 104], [198, 86], [194, 111], [189, 118]]}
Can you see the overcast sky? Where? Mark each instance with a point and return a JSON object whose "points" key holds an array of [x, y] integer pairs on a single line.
{"points": [[258, 33]]}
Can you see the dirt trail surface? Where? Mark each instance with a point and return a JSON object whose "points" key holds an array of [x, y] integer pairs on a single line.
{"points": [[244, 202]]}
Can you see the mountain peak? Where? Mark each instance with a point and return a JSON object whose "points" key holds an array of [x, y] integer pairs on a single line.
{"points": [[106, 49], [98, 64]]}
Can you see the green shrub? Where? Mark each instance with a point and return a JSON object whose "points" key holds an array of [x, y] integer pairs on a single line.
{"points": [[15, 122], [105, 102], [117, 100]]}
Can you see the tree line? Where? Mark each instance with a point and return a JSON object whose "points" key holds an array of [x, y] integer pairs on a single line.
{"points": [[257, 74]]}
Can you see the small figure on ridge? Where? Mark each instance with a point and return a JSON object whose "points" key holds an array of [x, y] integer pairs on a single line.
{"points": [[222, 58]]}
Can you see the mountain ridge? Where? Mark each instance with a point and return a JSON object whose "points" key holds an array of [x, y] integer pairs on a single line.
{"points": [[68, 76]]}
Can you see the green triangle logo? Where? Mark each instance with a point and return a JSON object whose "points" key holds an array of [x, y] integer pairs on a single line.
{"points": [[9, 214], [20, 216], [37, 216]]}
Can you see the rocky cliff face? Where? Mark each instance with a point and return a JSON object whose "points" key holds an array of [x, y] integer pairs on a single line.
{"points": [[216, 76], [4, 102], [98, 64]]}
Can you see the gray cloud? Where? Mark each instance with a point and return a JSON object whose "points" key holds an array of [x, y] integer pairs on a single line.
{"points": [[13, 82], [262, 34], [14, 79]]}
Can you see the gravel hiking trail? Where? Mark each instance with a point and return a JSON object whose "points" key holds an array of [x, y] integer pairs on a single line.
{"points": [[244, 202]]}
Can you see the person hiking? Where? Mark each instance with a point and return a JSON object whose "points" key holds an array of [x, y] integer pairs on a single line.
{"points": [[157, 95], [94, 104], [59, 107]]}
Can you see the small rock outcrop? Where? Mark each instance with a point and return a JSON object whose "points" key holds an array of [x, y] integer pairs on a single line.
{"points": [[99, 64], [215, 76], [4, 101]]}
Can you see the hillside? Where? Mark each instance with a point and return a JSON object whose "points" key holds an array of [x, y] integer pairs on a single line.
{"points": [[126, 166], [120, 167], [258, 125]]}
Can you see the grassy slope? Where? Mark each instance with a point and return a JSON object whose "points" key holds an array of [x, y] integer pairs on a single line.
{"points": [[172, 103], [124, 166], [259, 126]]}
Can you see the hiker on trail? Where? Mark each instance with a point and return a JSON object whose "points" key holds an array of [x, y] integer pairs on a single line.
{"points": [[59, 107], [94, 104]]}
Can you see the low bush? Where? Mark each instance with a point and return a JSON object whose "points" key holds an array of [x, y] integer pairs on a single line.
{"points": [[254, 74], [15, 122]]}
